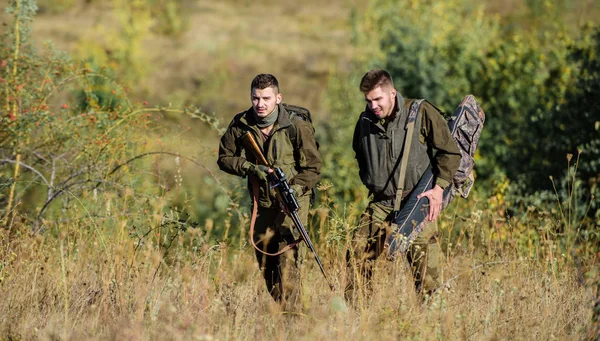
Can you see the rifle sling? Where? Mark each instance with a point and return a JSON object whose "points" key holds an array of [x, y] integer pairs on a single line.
{"points": [[253, 221], [410, 128]]}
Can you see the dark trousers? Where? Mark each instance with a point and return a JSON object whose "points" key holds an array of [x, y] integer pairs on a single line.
{"points": [[272, 232], [368, 243]]}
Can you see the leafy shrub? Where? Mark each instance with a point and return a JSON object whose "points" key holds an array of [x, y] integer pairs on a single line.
{"points": [[73, 146], [534, 86]]}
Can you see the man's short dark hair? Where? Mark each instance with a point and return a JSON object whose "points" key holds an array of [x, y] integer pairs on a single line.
{"points": [[375, 78], [263, 81]]}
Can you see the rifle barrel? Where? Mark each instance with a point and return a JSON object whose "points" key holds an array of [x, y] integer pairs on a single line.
{"points": [[309, 243]]}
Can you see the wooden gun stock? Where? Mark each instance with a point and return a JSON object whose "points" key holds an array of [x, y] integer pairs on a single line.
{"points": [[249, 141]]}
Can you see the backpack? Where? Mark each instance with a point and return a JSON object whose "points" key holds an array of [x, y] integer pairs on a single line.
{"points": [[465, 125], [301, 113]]}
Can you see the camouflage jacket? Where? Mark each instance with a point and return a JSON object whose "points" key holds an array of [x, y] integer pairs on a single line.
{"points": [[378, 147], [301, 163]]}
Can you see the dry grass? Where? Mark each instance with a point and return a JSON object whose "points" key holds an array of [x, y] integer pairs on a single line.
{"points": [[96, 285]]}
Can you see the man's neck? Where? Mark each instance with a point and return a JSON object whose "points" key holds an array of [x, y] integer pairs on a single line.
{"points": [[269, 120], [390, 117], [267, 130]]}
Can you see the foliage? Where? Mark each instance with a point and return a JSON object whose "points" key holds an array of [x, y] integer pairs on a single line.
{"points": [[539, 82], [61, 149], [55, 6], [169, 15], [559, 118], [74, 147], [341, 169], [582, 107], [120, 47], [435, 59]]}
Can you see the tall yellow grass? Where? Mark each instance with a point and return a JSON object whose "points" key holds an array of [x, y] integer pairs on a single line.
{"points": [[86, 284]]}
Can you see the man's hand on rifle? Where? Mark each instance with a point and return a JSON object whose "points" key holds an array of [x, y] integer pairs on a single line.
{"points": [[297, 190], [259, 171]]}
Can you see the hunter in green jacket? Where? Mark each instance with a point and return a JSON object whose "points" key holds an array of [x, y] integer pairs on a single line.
{"points": [[378, 143], [286, 142]]}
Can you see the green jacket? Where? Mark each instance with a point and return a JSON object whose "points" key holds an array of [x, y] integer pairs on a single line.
{"points": [[301, 163], [378, 148]]}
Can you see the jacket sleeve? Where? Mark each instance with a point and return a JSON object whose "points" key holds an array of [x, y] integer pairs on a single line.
{"points": [[436, 132], [309, 163], [230, 151], [358, 153]]}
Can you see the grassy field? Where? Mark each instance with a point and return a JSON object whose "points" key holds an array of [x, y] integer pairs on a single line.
{"points": [[106, 285]]}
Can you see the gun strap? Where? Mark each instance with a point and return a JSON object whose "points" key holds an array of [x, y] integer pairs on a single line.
{"points": [[253, 221], [410, 128]]}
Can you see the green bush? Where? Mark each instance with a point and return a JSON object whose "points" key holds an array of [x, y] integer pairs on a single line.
{"points": [[434, 50], [535, 86], [345, 103], [73, 147]]}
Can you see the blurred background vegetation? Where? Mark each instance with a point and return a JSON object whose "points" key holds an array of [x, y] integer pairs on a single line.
{"points": [[145, 76], [111, 111], [150, 74]]}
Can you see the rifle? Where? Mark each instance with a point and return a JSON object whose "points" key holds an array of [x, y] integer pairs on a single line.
{"points": [[285, 195]]}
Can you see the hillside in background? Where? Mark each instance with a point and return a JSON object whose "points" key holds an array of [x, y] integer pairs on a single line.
{"points": [[219, 47], [207, 52]]}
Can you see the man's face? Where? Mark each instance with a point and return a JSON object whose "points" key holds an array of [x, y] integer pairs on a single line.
{"points": [[264, 101], [381, 101]]}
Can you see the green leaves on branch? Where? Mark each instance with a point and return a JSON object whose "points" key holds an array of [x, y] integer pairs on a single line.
{"points": [[535, 86]]}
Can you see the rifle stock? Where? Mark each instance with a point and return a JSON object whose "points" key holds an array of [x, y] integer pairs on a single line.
{"points": [[248, 140]]}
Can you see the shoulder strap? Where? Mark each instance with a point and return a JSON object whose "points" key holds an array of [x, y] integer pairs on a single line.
{"points": [[292, 130], [410, 127]]}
